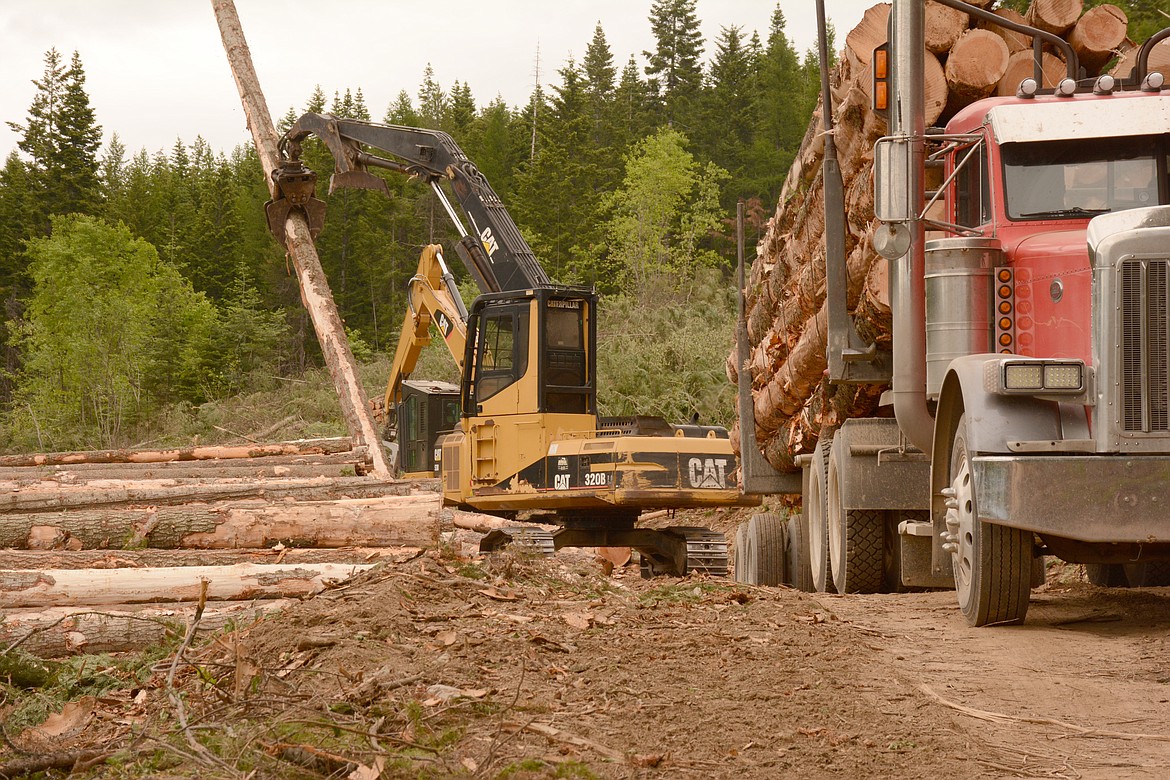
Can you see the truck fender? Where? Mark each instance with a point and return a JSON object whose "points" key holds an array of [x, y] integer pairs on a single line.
{"points": [[992, 421]]}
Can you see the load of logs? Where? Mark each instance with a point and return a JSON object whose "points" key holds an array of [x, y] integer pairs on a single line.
{"points": [[104, 551], [785, 297]]}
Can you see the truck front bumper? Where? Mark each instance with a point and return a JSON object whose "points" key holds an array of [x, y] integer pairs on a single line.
{"points": [[1091, 498]]}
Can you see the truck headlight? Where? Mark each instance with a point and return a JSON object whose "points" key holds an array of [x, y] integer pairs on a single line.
{"points": [[1044, 376]]}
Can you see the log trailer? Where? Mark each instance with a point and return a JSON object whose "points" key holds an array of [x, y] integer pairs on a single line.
{"points": [[528, 437], [1029, 381]]}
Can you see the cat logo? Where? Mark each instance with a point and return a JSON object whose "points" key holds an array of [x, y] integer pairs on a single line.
{"points": [[489, 241], [446, 327], [708, 472]]}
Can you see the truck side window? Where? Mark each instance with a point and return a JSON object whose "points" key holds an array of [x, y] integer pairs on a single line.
{"points": [[972, 190]]}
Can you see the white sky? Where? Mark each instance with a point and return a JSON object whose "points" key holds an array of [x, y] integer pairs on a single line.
{"points": [[156, 69]]}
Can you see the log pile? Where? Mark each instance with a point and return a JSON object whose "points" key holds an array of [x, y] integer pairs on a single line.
{"points": [[785, 295], [103, 551]]}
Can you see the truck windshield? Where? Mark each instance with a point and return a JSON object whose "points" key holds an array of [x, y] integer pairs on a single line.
{"points": [[1079, 179]]}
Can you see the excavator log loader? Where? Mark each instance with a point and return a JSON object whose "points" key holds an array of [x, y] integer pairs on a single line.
{"points": [[529, 437]]}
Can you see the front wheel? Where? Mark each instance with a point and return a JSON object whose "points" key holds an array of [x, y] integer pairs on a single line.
{"points": [[992, 563]]}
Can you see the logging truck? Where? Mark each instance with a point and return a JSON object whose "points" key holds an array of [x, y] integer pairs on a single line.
{"points": [[1026, 403], [527, 436]]}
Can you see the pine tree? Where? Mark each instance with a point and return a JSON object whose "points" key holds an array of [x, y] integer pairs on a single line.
{"points": [[460, 111], [675, 68], [729, 109], [62, 139], [401, 111], [432, 101]]}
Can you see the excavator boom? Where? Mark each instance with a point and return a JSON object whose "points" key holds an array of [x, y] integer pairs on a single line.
{"points": [[493, 250]]}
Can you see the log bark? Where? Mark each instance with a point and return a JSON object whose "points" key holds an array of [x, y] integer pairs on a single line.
{"points": [[315, 292], [944, 26], [48, 497], [1021, 65], [212, 470], [307, 447], [82, 587], [1098, 35], [1054, 16], [63, 631], [389, 521], [143, 558], [975, 67]]}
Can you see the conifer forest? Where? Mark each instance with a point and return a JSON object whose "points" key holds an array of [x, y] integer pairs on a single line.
{"points": [[140, 286]]}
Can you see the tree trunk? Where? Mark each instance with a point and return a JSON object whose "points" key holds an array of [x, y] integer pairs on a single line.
{"points": [[1098, 35], [210, 470], [389, 521], [46, 497], [307, 447], [1021, 65], [79, 587], [1015, 41], [1054, 16], [944, 25], [137, 559], [315, 292], [974, 68], [869, 33], [62, 631]]}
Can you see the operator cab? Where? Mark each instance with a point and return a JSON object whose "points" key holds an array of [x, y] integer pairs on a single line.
{"points": [[427, 410], [532, 351]]}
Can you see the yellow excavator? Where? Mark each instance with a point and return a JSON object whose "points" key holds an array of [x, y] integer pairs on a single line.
{"points": [[528, 437]]}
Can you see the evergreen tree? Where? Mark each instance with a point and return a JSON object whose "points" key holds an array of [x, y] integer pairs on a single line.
{"points": [[729, 106], [631, 107], [598, 68], [674, 66], [61, 139], [460, 111], [432, 101], [401, 111]]}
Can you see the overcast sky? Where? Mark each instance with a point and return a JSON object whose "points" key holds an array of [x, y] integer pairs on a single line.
{"points": [[156, 69]]}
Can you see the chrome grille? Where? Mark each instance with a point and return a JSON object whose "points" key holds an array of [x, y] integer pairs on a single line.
{"points": [[1145, 345]]}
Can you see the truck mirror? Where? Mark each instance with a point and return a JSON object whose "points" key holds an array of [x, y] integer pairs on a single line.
{"points": [[891, 180]]}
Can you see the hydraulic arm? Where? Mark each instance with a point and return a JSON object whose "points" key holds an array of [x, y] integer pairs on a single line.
{"points": [[493, 250]]}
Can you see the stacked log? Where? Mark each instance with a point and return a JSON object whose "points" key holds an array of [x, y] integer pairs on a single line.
{"points": [[785, 294], [104, 551]]}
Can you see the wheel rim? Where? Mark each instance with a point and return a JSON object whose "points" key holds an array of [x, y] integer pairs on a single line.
{"points": [[961, 525]]}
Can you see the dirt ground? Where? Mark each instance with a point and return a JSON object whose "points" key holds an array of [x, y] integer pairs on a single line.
{"points": [[452, 665]]}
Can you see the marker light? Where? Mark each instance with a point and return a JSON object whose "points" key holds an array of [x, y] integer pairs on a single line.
{"points": [[1028, 89], [1104, 85], [1066, 88], [1153, 81]]}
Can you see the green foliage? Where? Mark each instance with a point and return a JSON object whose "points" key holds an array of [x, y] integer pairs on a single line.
{"points": [[666, 205], [108, 325], [663, 353]]}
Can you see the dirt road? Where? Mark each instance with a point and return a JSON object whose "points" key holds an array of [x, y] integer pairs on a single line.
{"points": [[512, 667]]}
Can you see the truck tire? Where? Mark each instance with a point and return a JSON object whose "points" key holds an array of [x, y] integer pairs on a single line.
{"points": [[799, 570], [739, 555], [1147, 574], [857, 547], [815, 510], [992, 563], [767, 545], [1106, 575]]}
